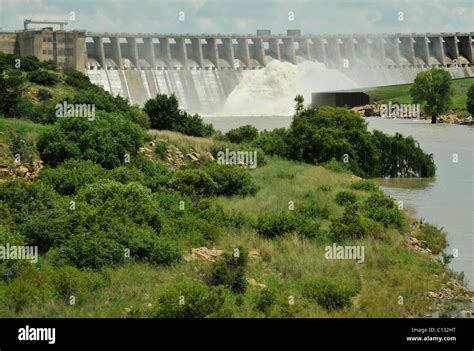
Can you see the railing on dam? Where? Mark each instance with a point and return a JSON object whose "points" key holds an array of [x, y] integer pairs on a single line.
{"points": [[254, 51]]}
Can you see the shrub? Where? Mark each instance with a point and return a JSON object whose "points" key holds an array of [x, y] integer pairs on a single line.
{"points": [[164, 252], [12, 86], [434, 238], [194, 182], [19, 294], [365, 185], [382, 208], [273, 142], [161, 149], [470, 100], [345, 197], [104, 141], [232, 180], [277, 224], [193, 125], [68, 281], [231, 271], [328, 295], [198, 301], [352, 225], [244, 134], [265, 301], [124, 174], [77, 80], [44, 94], [43, 77], [72, 175], [336, 166], [164, 113], [90, 249]]}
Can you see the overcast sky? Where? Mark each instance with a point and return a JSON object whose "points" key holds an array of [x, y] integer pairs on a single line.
{"points": [[245, 16]]}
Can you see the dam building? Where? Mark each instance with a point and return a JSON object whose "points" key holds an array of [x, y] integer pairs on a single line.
{"points": [[203, 69]]}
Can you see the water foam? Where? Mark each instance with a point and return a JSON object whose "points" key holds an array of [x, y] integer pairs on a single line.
{"points": [[270, 91]]}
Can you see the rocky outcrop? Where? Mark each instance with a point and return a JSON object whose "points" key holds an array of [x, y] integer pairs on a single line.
{"points": [[28, 171]]}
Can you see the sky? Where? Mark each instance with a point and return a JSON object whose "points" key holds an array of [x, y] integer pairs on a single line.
{"points": [[246, 16]]}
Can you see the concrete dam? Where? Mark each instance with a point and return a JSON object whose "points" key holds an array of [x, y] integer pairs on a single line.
{"points": [[202, 70], [205, 70]]}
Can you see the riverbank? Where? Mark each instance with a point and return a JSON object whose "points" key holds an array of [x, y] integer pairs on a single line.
{"points": [[289, 275], [452, 117]]}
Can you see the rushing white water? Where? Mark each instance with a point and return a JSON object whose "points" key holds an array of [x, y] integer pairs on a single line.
{"points": [[271, 90]]}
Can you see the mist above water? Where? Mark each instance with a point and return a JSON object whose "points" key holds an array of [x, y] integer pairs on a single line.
{"points": [[271, 91]]}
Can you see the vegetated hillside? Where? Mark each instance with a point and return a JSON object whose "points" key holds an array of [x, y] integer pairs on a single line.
{"points": [[128, 221], [401, 93]]}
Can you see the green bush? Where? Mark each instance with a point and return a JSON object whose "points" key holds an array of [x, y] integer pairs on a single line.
{"points": [[232, 180], [382, 209], [265, 301], [345, 197], [72, 175], [328, 295], [277, 224], [470, 100], [124, 174], [44, 94], [90, 249], [105, 141], [194, 182], [164, 252], [193, 125], [365, 185], [434, 238], [69, 281], [164, 113], [192, 300], [77, 80], [43, 77], [352, 225], [20, 294], [243, 134], [161, 149], [12, 86], [230, 272], [273, 142]]}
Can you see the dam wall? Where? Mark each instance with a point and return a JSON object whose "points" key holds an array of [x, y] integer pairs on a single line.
{"points": [[203, 69]]}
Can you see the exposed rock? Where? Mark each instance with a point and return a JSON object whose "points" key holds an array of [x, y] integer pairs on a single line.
{"points": [[210, 157], [254, 254], [204, 254], [253, 282], [192, 157]]}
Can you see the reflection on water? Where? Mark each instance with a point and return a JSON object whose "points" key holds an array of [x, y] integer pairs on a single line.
{"points": [[403, 183], [446, 200]]}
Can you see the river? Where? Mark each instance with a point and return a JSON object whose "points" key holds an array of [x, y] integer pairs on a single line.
{"points": [[446, 200]]}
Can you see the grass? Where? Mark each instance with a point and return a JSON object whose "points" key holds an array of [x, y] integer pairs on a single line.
{"points": [[401, 93], [289, 265], [24, 129]]}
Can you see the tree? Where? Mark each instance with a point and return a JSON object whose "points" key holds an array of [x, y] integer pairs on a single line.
{"points": [[12, 86], [163, 111], [470, 100], [432, 89], [299, 99]]}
